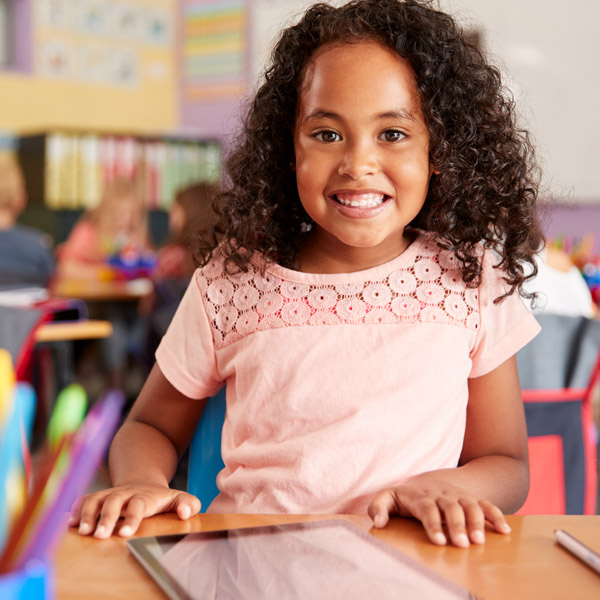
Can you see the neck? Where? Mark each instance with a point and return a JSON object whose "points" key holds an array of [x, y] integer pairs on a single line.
{"points": [[325, 255], [7, 220]]}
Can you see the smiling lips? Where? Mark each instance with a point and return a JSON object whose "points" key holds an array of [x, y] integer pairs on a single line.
{"points": [[360, 200]]}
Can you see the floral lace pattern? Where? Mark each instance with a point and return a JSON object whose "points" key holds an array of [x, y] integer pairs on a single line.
{"points": [[430, 290]]}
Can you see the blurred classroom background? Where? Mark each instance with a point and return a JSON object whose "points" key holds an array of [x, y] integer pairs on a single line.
{"points": [[97, 91], [164, 81]]}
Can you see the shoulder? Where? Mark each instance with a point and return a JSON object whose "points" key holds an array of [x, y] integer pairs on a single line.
{"points": [[84, 233], [430, 245], [84, 228], [28, 235], [23, 231], [217, 276], [558, 260]]}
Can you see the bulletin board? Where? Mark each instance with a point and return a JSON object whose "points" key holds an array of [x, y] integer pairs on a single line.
{"points": [[95, 64], [99, 41]]}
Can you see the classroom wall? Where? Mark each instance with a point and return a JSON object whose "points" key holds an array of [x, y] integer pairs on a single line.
{"points": [[547, 55], [92, 75], [544, 51], [547, 52]]}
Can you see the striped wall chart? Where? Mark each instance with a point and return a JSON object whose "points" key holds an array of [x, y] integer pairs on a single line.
{"points": [[214, 47]]}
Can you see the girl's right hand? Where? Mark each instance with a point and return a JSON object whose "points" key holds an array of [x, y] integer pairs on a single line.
{"points": [[99, 513]]}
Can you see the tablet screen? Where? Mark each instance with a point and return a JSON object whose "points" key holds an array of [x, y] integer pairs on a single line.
{"points": [[317, 559]]}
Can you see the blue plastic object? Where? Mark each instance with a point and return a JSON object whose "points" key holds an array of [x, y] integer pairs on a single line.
{"points": [[205, 460], [33, 582]]}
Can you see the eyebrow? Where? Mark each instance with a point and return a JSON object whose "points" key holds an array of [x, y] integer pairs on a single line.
{"points": [[400, 114]]}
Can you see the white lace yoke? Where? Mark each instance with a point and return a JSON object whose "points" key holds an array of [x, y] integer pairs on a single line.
{"points": [[424, 284]]}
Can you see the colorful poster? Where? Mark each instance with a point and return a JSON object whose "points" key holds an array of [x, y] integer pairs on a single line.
{"points": [[214, 48]]}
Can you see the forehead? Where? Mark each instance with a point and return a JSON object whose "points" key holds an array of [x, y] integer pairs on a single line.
{"points": [[361, 76]]}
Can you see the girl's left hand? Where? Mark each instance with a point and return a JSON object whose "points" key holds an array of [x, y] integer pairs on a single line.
{"points": [[433, 502]]}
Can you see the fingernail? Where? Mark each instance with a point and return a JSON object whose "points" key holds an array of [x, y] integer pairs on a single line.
{"points": [[185, 512], [478, 537], [100, 531], [72, 521], [126, 531], [462, 540], [439, 538], [505, 528], [84, 528]]}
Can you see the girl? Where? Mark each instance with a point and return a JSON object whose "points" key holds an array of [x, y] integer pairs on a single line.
{"points": [[363, 304], [117, 230], [191, 211], [118, 224]]}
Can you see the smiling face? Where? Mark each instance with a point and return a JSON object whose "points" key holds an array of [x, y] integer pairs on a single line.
{"points": [[362, 155]]}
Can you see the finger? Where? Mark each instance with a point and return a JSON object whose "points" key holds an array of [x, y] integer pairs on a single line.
{"points": [[109, 515], [186, 505], [475, 520], [455, 522], [495, 516], [75, 515], [380, 508], [133, 514], [430, 516], [88, 513]]}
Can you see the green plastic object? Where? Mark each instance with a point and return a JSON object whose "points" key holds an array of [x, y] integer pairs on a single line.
{"points": [[68, 414]]}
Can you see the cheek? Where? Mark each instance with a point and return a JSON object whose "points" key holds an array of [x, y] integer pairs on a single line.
{"points": [[312, 167], [306, 174]]}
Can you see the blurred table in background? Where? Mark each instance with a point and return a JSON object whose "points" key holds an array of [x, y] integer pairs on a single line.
{"points": [[96, 290], [77, 330]]}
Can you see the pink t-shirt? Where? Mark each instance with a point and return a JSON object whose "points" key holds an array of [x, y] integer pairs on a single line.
{"points": [[82, 245], [339, 385]]}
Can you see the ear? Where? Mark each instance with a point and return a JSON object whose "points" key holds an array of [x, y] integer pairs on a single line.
{"points": [[20, 203]]}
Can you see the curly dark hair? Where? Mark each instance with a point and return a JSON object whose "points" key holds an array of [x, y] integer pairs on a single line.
{"points": [[487, 185]]}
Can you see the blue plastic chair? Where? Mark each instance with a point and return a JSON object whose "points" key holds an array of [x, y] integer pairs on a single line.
{"points": [[204, 459]]}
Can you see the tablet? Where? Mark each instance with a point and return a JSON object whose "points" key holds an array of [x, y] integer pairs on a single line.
{"points": [[313, 560]]}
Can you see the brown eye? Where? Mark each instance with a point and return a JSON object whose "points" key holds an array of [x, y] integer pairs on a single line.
{"points": [[392, 135], [328, 136]]}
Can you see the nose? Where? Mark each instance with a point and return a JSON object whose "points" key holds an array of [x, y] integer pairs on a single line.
{"points": [[359, 160]]}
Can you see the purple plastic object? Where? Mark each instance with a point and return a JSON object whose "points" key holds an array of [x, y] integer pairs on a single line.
{"points": [[89, 445]]}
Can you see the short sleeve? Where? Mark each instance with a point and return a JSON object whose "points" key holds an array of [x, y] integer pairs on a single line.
{"points": [[186, 354], [504, 327]]}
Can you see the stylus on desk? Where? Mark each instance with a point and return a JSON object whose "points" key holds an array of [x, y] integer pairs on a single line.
{"points": [[578, 549]]}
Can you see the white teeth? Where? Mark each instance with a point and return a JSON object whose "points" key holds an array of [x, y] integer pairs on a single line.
{"points": [[361, 201]]}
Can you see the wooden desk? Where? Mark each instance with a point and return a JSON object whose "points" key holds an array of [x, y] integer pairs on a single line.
{"points": [[75, 330], [525, 564], [96, 290]]}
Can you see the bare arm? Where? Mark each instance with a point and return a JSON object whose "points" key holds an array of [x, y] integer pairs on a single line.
{"points": [[142, 459], [493, 474]]}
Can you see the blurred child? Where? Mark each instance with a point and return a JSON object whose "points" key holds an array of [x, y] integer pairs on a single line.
{"points": [[118, 227], [26, 256], [560, 286], [191, 211]]}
